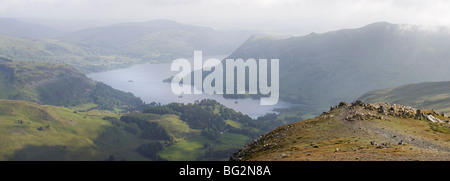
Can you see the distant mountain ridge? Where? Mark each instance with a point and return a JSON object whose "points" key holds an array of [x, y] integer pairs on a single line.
{"points": [[84, 58], [17, 28], [114, 46], [323, 69], [163, 39]]}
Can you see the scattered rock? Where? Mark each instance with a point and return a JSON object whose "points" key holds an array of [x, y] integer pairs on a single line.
{"points": [[342, 104], [383, 145], [433, 119]]}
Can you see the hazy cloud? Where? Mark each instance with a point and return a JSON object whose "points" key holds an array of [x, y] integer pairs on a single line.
{"points": [[299, 16]]}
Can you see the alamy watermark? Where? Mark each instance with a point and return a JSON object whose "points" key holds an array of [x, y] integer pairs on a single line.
{"points": [[258, 77]]}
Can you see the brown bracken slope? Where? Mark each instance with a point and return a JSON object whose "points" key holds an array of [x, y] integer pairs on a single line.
{"points": [[358, 131]]}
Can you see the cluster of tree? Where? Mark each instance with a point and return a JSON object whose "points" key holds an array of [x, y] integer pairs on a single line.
{"points": [[200, 118], [108, 98], [135, 125], [160, 110], [202, 115], [150, 150], [210, 153], [209, 116], [212, 132], [145, 130], [130, 128], [149, 130], [266, 123]]}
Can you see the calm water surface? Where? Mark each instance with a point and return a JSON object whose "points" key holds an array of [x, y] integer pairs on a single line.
{"points": [[146, 81]]}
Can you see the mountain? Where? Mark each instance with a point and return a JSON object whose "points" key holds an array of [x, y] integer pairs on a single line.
{"points": [[205, 130], [323, 69], [161, 40], [359, 131], [430, 95], [59, 85], [84, 58], [18, 28], [112, 47]]}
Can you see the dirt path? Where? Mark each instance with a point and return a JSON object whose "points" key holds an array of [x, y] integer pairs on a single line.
{"points": [[391, 135]]}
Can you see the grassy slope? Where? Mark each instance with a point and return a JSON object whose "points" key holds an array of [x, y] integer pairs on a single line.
{"points": [[192, 147], [86, 136], [331, 137], [186, 150], [70, 136], [430, 95]]}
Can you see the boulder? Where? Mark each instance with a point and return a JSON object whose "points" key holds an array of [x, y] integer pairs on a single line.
{"points": [[433, 119]]}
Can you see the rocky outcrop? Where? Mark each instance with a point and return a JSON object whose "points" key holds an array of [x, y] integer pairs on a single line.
{"points": [[433, 119], [396, 110]]}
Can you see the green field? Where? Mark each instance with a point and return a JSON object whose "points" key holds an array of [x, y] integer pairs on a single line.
{"points": [[176, 127], [186, 150], [231, 140], [194, 148], [38, 132], [234, 123]]}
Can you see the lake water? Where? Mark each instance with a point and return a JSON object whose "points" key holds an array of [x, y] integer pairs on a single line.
{"points": [[146, 81]]}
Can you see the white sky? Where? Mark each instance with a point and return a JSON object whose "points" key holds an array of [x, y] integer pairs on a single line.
{"points": [[293, 16]]}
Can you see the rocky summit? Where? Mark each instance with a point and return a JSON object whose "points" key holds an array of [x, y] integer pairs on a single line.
{"points": [[357, 131]]}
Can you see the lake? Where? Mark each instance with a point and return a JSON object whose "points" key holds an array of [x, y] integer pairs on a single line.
{"points": [[146, 81]]}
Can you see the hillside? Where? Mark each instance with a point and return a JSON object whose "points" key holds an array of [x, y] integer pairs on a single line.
{"points": [[430, 95], [18, 28], [84, 58], [161, 40], [205, 130], [358, 131], [324, 69], [41, 132], [59, 85], [115, 46]]}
